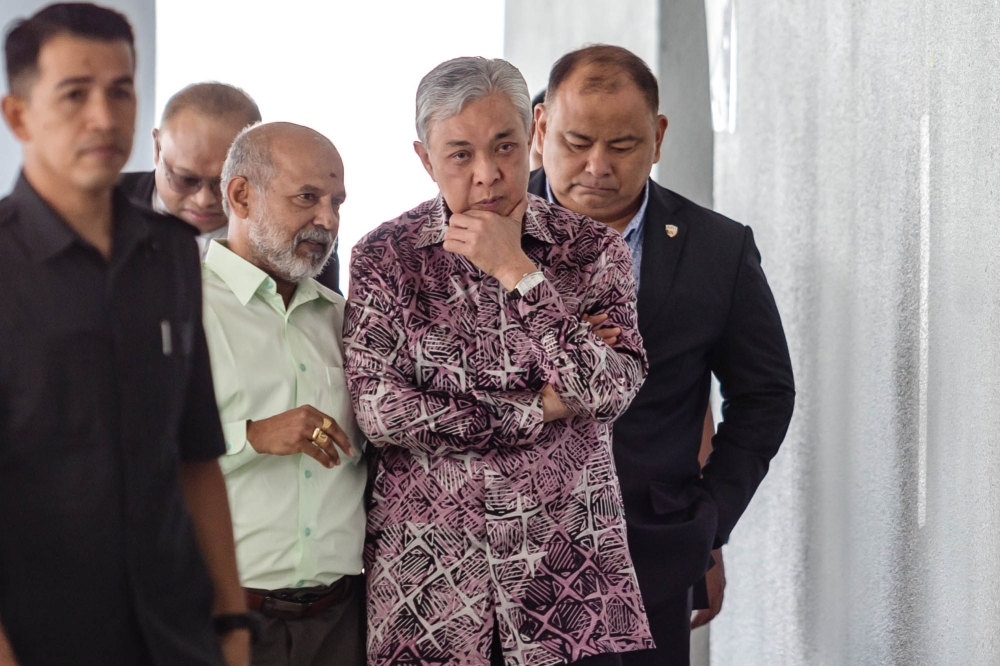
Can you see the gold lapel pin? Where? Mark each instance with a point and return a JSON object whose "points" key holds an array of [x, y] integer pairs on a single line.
{"points": [[671, 230]]}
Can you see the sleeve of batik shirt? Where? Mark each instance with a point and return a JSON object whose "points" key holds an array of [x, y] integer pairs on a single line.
{"points": [[390, 407], [592, 378]]}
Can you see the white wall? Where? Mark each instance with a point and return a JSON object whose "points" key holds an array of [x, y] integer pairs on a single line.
{"points": [[142, 15], [347, 69]]}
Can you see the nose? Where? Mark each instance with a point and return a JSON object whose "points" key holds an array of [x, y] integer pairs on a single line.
{"points": [[100, 112], [328, 217], [485, 170], [598, 164], [208, 196]]}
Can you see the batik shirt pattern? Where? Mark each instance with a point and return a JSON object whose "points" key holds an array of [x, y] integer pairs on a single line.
{"points": [[479, 509]]}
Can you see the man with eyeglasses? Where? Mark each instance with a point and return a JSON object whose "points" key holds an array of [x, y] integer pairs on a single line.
{"points": [[198, 125]]}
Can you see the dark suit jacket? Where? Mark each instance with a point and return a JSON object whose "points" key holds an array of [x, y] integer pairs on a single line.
{"points": [[704, 307], [139, 186]]}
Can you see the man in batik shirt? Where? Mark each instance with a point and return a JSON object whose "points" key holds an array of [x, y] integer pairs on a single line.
{"points": [[496, 530]]}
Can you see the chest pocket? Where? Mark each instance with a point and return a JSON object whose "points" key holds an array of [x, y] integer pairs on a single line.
{"points": [[340, 409]]}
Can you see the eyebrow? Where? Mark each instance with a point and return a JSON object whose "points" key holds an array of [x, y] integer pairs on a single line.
{"points": [[84, 80], [621, 139], [312, 189], [497, 137]]}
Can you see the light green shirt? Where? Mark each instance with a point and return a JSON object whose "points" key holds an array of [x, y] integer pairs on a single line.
{"points": [[296, 523]]}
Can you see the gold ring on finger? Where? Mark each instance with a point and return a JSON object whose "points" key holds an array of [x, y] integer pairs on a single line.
{"points": [[322, 438], [316, 434], [326, 423]]}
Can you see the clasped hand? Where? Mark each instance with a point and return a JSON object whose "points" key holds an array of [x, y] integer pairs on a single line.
{"points": [[295, 431], [491, 242]]}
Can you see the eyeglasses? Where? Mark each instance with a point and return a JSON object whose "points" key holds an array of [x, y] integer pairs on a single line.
{"points": [[190, 184]]}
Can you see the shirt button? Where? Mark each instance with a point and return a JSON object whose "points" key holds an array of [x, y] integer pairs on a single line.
{"points": [[228, 446], [269, 284], [309, 474], [308, 531], [300, 583], [302, 367]]}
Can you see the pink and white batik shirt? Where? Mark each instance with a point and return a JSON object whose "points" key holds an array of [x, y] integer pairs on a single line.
{"points": [[480, 510]]}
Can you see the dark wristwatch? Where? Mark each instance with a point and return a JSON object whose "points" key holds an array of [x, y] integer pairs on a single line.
{"points": [[224, 624]]}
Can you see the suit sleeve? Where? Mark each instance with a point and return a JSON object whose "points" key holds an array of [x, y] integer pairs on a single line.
{"points": [[390, 405], [754, 370]]}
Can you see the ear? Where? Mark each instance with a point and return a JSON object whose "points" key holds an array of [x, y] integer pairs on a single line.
{"points": [[238, 194], [156, 146], [425, 159], [661, 129], [13, 115], [541, 125]]}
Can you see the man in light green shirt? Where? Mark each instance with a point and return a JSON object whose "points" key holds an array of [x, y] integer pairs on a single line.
{"points": [[293, 465]]}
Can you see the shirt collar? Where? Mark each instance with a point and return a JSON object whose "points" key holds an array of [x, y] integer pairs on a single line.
{"points": [[245, 279], [48, 235], [158, 204], [436, 223], [634, 225]]}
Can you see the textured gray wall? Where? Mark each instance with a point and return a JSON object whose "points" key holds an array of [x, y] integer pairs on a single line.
{"points": [[866, 160], [142, 15]]}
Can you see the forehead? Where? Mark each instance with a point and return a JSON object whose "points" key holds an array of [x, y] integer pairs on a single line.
{"points": [[479, 121], [310, 160], [190, 133], [617, 103], [68, 56]]}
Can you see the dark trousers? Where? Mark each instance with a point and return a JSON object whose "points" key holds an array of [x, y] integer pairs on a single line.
{"points": [[334, 636], [496, 655], [670, 623]]}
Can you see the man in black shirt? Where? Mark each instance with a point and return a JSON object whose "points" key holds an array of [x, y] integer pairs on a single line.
{"points": [[109, 433]]}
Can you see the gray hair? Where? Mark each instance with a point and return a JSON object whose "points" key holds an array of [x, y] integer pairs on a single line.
{"points": [[250, 157], [451, 85]]}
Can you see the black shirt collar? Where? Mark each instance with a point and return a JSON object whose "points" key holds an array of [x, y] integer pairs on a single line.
{"points": [[48, 235]]}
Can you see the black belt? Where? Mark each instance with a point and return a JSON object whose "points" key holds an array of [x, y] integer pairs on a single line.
{"points": [[270, 604]]}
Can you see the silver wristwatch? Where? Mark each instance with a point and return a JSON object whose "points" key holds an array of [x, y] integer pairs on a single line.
{"points": [[526, 283]]}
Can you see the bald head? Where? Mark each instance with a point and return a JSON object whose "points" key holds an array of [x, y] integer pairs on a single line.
{"points": [[257, 151], [198, 126], [283, 186], [212, 99]]}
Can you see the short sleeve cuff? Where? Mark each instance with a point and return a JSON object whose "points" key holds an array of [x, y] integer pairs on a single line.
{"points": [[238, 449]]}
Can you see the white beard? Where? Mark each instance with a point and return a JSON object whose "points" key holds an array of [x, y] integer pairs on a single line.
{"points": [[272, 248]]}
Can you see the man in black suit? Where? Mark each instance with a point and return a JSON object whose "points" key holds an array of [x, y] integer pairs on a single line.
{"points": [[704, 308], [198, 125]]}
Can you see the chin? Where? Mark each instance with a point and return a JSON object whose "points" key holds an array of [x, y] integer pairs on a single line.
{"points": [[203, 226], [98, 179]]}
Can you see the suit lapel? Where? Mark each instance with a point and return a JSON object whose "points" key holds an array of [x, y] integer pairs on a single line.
{"points": [[660, 256], [660, 252]]}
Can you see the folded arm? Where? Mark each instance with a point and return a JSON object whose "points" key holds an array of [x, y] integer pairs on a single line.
{"points": [[390, 406], [592, 378]]}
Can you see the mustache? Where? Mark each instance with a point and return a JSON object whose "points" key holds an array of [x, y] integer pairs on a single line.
{"points": [[115, 141], [315, 235]]}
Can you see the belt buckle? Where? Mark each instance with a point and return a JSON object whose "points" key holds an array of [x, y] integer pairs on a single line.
{"points": [[282, 610]]}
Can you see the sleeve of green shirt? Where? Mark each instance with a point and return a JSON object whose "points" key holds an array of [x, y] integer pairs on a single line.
{"points": [[238, 449]]}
